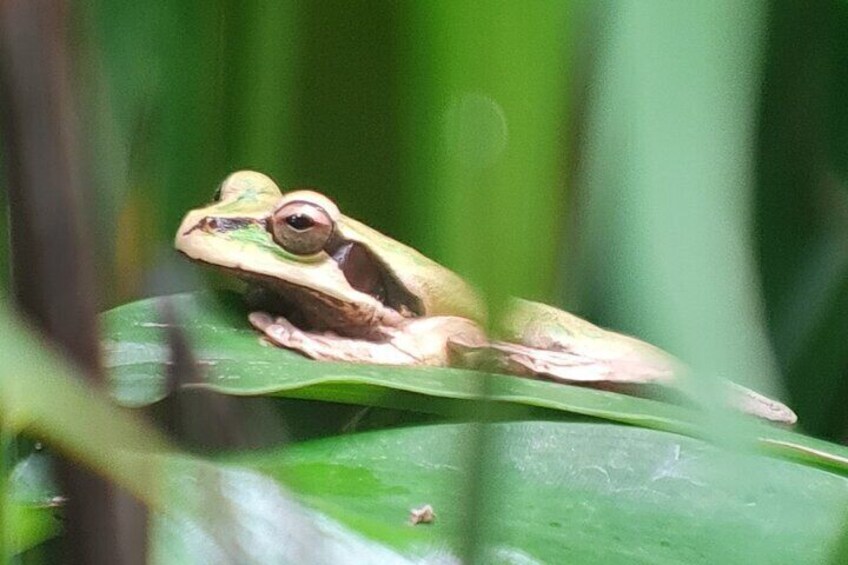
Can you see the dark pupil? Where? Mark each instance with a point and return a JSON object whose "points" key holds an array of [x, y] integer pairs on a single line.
{"points": [[300, 222]]}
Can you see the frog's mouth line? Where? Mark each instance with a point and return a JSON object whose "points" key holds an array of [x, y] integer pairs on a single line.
{"points": [[222, 224]]}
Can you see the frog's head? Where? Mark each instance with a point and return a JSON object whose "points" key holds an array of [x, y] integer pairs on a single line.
{"points": [[324, 269]]}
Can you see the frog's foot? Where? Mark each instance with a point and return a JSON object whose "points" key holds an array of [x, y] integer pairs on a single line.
{"points": [[421, 341], [752, 402]]}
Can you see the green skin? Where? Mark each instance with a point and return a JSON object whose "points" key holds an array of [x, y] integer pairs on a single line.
{"points": [[392, 305]]}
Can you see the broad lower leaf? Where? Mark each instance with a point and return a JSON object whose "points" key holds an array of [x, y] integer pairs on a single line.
{"points": [[222, 515], [556, 492], [212, 514], [571, 492]]}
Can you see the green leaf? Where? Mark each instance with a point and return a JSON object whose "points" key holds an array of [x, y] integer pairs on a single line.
{"points": [[41, 395], [235, 363], [201, 510], [27, 527], [575, 492], [213, 514], [228, 515], [30, 516], [581, 491]]}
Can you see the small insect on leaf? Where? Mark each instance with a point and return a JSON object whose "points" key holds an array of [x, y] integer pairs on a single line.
{"points": [[422, 515]]}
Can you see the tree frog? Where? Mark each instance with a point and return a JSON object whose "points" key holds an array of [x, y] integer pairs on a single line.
{"points": [[331, 288]]}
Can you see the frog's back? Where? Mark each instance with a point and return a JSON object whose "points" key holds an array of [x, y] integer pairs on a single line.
{"points": [[442, 292]]}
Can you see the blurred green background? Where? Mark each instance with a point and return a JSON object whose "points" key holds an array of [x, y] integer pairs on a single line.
{"points": [[676, 170]]}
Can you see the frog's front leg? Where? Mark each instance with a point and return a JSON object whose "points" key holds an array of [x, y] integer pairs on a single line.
{"points": [[418, 341]]}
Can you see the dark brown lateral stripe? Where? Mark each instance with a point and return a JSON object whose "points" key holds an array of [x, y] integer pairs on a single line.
{"points": [[223, 225]]}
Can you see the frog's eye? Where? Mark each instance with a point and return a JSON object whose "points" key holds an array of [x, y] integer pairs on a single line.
{"points": [[302, 228]]}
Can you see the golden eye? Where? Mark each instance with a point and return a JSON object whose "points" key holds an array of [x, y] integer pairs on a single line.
{"points": [[302, 228]]}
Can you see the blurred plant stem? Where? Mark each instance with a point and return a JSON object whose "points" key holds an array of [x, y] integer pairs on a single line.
{"points": [[53, 281], [484, 151], [668, 179]]}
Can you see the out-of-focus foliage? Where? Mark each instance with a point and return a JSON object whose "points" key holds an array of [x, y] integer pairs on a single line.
{"points": [[4, 247], [224, 515], [711, 215], [487, 109], [668, 232], [708, 146], [28, 517], [801, 207], [711, 182], [372, 102], [41, 396], [621, 495], [684, 162]]}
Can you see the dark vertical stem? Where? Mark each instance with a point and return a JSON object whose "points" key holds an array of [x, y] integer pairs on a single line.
{"points": [[52, 279], [50, 266]]}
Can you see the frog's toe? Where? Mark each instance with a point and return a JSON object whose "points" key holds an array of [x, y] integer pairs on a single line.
{"points": [[260, 320], [279, 331]]}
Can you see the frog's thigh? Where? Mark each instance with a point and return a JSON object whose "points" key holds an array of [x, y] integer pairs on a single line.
{"points": [[429, 339]]}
